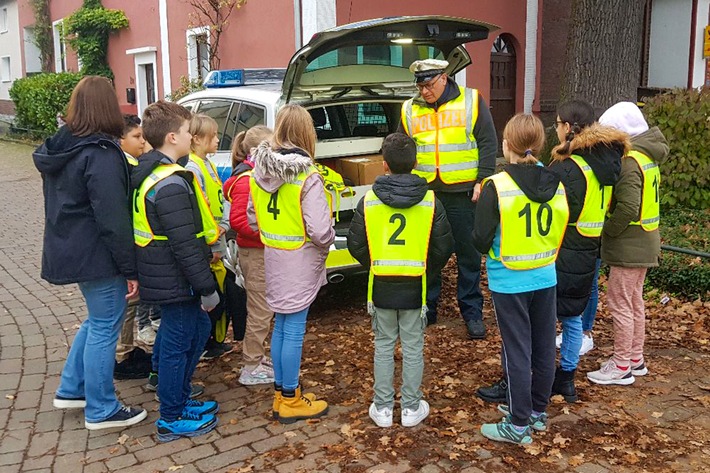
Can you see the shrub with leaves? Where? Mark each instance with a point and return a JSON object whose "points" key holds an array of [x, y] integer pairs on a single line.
{"points": [[684, 118], [39, 98], [679, 273], [187, 86]]}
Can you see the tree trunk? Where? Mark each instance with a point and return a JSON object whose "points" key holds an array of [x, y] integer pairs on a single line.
{"points": [[603, 63]]}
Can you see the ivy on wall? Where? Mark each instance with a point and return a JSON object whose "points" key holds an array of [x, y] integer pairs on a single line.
{"points": [[42, 33], [87, 32]]}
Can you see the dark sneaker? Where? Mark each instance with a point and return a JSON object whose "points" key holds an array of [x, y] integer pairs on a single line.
{"points": [[137, 365], [187, 425], [126, 416], [215, 350], [476, 330], [226, 348], [61, 402], [152, 384], [504, 431], [196, 391], [497, 392], [201, 408]]}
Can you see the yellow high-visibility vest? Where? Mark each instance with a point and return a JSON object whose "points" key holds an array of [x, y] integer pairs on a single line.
{"points": [[142, 233], [213, 185], [131, 160], [398, 239], [596, 202], [530, 232], [444, 138], [228, 194], [279, 215], [650, 198]]}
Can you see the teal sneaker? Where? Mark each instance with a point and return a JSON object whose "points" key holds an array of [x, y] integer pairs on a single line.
{"points": [[201, 408], [187, 425], [538, 423], [504, 431]]}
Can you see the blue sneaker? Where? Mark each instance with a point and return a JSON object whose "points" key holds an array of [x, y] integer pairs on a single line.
{"points": [[187, 425], [538, 422], [201, 408], [504, 431]]}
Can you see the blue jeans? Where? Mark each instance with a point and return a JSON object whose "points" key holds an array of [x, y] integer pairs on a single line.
{"points": [[571, 342], [287, 346], [184, 328], [88, 371], [590, 312], [460, 211]]}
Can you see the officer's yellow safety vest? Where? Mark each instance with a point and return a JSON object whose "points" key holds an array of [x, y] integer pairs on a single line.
{"points": [[213, 185], [142, 233], [279, 215], [650, 198], [398, 240], [530, 232], [445, 141], [596, 202]]}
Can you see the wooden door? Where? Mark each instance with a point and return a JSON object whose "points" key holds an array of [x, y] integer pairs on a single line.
{"points": [[502, 100]]}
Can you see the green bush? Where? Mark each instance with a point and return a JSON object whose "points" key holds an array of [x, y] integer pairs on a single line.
{"points": [[187, 86], [39, 98], [684, 118], [680, 273]]}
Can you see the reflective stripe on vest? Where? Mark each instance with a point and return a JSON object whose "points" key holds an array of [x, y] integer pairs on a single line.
{"points": [[279, 215], [596, 202], [398, 239], [213, 185], [530, 232], [650, 201], [444, 138], [142, 233]]}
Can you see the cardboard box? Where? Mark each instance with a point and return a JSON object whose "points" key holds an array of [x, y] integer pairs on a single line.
{"points": [[361, 170]]}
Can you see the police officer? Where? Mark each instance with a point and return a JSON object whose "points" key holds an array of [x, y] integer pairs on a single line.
{"points": [[456, 149]]}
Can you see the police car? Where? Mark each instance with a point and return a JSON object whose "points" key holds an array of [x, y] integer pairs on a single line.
{"points": [[353, 80]]}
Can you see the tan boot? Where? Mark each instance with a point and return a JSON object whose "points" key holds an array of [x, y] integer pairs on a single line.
{"points": [[299, 407], [277, 402]]}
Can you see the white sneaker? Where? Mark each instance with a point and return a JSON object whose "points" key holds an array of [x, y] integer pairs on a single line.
{"points": [[262, 374], [610, 373], [558, 341], [155, 323], [639, 369], [147, 335], [411, 417], [381, 417], [587, 344]]}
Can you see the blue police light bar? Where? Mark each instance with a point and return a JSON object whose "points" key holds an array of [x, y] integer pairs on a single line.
{"points": [[224, 78]]}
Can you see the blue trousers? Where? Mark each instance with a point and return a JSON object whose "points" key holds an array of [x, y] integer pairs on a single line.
{"points": [[460, 211], [88, 371], [590, 312], [184, 328], [287, 347]]}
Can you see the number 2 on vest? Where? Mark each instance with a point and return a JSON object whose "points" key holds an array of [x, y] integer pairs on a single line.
{"points": [[402, 223], [273, 206], [542, 228]]}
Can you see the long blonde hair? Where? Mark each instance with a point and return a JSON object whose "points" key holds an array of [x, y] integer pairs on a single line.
{"points": [[202, 126], [525, 136], [248, 139], [294, 128]]}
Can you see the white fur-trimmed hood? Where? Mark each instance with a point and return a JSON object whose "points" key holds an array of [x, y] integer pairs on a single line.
{"points": [[272, 169]]}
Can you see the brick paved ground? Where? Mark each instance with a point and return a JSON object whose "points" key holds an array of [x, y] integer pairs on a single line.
{"points": [[38, 321]]}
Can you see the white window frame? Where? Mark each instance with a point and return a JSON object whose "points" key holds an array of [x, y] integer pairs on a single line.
{"points": [[4, 20], [5, 75], [60, 49], [191, 46], [142, 57]]}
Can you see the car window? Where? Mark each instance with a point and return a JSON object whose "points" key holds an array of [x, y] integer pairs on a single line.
{"points": [[190, 105], [398, 55], [250, 115], [219, 111]]}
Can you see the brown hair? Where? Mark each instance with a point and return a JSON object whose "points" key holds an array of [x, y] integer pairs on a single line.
{"points": [[202, 126], [161, 118], [525, 136], [93, 108], [294, 128], [579, 114], [248, 139]]}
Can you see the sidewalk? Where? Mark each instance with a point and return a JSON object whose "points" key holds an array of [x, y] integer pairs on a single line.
{"points": [[659, 424]]}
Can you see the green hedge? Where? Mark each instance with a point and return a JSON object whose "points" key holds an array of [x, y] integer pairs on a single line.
{"points": [[39, 98], [678, 273], [684, 118]]}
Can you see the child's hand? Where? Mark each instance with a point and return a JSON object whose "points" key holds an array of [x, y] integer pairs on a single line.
{"points": [[209, 302], [476, 192], [132, 289], [216, 256]]}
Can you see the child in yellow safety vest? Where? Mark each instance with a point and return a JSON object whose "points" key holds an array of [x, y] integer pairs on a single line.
{"points": [[400, 231], [520, 220], [205, 140]]}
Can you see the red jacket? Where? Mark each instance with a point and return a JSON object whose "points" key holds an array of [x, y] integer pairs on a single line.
{"points": [[236, 190]]}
